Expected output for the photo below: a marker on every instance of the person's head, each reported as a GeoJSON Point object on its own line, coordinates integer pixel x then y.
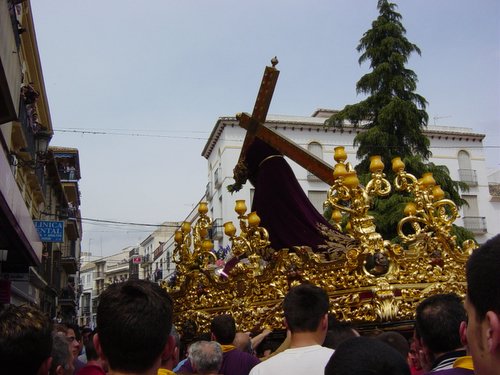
{"type": "Point", "coordinates": [25, 340]}
{"type": "Point", "coordinates": [86, 335]}
{"type": "Point", "coordinates": [92, 355]}
{"type": "Point", "coordinates": [62, 359]}
{"type": "Point", "coordinates": [396, 340]}
{"type": "Point", "coordinates": [483, 307]}
{"type": "Point", "coordinates": [170, 361]}
{"type": "Point", "coordinates": [223, 328]}
{"type": "Point", "coordinates": [90, 350]}
{"type": "Point", "coordinates": [306, 307]}
{"type": "Point", "coordinates": [437, 326]}
{"type": "Point", "coordinates": [205, 357]}
{"type": "Point", "coordinates": [243, 342]}
{"type": "Point", "coordinates": [413, 359]}
{"type": "Point", "coordinates": [74, 337]}
{"type": "Point", "coordinates": [267, 347]}
{"type": "Point", "coordinates": [366, 356]}
{"type": "Point", "coordinates": [338, 332]}
{"type": "Point", "coordinates": [134, 319]}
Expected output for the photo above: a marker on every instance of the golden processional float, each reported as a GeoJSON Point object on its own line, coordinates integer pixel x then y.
{"type": "Point", "coordinates": [371, 282]}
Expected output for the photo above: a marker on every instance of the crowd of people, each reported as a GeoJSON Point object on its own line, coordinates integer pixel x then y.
{"type": "Point", "coordinates": [135, 335]}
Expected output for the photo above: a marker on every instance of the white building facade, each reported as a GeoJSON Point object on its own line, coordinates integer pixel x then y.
{"type": "Point", "coordinates": [86, 316]}
{"type": "Point", "coordinates": [95, 276]}
{"type": "Point", "coordinates": [459, 149]}
{"type": "Point", "coordinates": [156, 252]}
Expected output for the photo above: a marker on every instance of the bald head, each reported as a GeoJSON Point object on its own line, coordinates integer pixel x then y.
{"type": "Point", "coordinates": [243, 342]}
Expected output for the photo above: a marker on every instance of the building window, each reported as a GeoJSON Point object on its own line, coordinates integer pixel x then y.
{"type": "Point", "coordinates": [472, 220]}
{"type": "Point", "coordinates": [317, 198]}
{"type": "Point", "coordinates": [316, 149]}
{"type": "Point", "coordinates": [465, 171]}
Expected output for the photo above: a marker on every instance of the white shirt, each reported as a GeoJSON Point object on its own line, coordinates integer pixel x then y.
{"type": "Point", "coordinates": [306, 360]}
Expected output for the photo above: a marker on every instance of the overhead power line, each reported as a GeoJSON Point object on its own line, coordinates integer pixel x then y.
{"type": "Point", "coordinates": [114, 221]}
{"type": "Point", "coordinates": [117, 222]}
{"type": "Point", "coordinates": [146, 135]}
{"type": "Point", "coordinates": [99, 132]}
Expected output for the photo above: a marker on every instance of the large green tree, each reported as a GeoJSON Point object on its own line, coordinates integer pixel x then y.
{"type": "Point", "coordinates": [393, 115]}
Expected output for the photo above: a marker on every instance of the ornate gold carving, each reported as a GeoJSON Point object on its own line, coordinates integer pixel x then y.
{"type": "Point", "coordinates": [368, 279]}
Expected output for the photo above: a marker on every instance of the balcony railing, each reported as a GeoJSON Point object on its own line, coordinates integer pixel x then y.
{"type": "Point", "coordinates": [494, 190]}
{"type": "Point", "coordinates": [68, 251]}
{"type": "Point", "coordinates": [146, 260]}
{"type": "Point", "coordinates": [475, 224]}
{"type": "Point", "coordinates": [216, 232]}
{"type": "Point", "coordinates": [68, 175]}
{"type": "Point", "coordinates": [468, 176]}
{"type": "Point", "coordinates": [121, 266]}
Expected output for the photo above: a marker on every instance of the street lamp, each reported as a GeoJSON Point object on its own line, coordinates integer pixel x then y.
{"type": "Point", "coordinates": [42, 139]}
{"type": "Point", "coordinates": [41, 146]}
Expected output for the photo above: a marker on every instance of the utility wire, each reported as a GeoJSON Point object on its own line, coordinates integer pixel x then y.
{"type": "Point", "coordinates": [95, 132]}
{"type": "Point", "coordinates": [136, 130]}
{"type": "Point", "coordinates": [113, 221]}
{"type": "Point", "coordinates": [104, 221]}
{"type": "Point", "coordinates": [100, 132]}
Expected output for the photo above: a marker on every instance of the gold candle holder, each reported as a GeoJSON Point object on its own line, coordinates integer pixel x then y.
{"type": "Point", "coordinates": [437, 193]}
{"type": "Point", "coordinates": [253, 219]}
{"type": "Point", "coordinates": [397, 164]}
{"type": "Point", "coordinates": [339, 154]}
{"type": "Point", "coordinates": [410, 209]}
{"type": "Point", "coordinates": [203, 208]}
{"type": "Point", "coordinates": [229, 229]}
{"type": "Point", "coordinates": [351, 180]}
{"type": "Point", "coordinates": [428, 180]}
{"type": "Point", "coordinates": [178, 236]}
{"type": "Point", "coordinates": [376, 164]}
{"type": "Point", "coordinates": [186, 227]}
{"type": "Point", "coordinates": [339, 170]}
{"type": "Point", "coordinates": [240, 207]}
{"type": "Point", "coordinates": [207, 245]}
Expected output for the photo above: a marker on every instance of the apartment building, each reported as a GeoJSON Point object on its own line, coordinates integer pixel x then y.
{"type": "Point", "coordinates": [40, 226]}
{"type": "Point", "coordinates": [155, 252]}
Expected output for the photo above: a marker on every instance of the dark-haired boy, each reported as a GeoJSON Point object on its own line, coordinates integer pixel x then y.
{"type": "Point", "coordinates": [437, 331]}
{"type": "Point", "coordinates": [134, 319]}
{"type": "Point", "coordinates": [306, 317]}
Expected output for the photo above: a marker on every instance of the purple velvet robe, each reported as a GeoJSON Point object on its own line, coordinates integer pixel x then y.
{"type": "Point", "coordinates": [279, 200]}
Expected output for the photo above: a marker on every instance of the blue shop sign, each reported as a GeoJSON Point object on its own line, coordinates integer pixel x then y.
{"type": "Point", "coordinates": [50, 231]}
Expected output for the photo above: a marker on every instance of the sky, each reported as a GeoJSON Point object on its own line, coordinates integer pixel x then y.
{"type": "Point", "coordinates": [138, 86]}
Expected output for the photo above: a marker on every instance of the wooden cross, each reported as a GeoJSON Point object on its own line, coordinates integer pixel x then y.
{"type": "Point", "coordinates": [255, 127]}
